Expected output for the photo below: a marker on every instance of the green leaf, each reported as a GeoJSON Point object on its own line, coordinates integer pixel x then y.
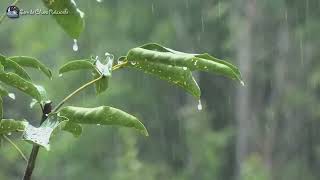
{"type": "Point", "coordinates": [10, 125]}
{"type": "Point", "coordinates": [73, 128]}
{"type": "Point", "coordinates": [43, 94]}
{"type": "Point", "coordinates": [73, 22]}
{"type": "Point", "coordinates": [158, 54]}
{"type": "Point", "coordinates": [16, 81]}
{"type": "Point", "coordinates": [101, 85]}
{"type": "Point", "coordinates": [174, 74]}
{"type": "Point", "coordinates": [10, 65]}
{"type": "Point", "coordinates": [102, 115]}
{"type": "Point", "coordinates": [26, 61]}
{"type": "Point", "coordinates": [74, 65]}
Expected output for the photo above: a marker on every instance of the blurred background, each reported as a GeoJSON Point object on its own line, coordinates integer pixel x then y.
{"type": "Point", "coordinates": [267, 130]}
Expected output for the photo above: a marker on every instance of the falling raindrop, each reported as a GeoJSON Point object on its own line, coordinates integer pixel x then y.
{"type": "Point", "coordinates": [242, 83]}
{"type": "Point", "coordinates": [12, 96]}
{"type": "Point", "coordinates": [75, 45]}
{"type": "Point", "coordinates": [152, 8]}
{"type": "Point", "coordinates": [199, 105]}
{"type": "Point", "coordinates": [202, 24]}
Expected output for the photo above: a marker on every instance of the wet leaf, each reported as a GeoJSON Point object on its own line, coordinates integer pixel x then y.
{"type": "Point", "coordinates": [10, 125]}
{"type": "Point", "coordinates": [102, 115]}
{"type": "Point", "coordinates": [73, 22]}
{"type": "Point", "coordinates": [74, 65]}
{"type": "Point", "coordinates": [177, 75]}
{"type": "Point", "coordinates": [101, 85]}
{"type": "Point", "coordinates": [73, 128]}
{"type": "Point", "coordinates": [16, 81]}
{"type": "Point", "coordinates": [31, 62]}
{"type": "Point", "coordinates": [12, 66]}
{"type": "Point", "coordinates": [41, 135]}
{"type": "Point", "coordinates": [158, 54]}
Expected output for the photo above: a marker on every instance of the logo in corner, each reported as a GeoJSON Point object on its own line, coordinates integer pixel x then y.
{"type": "Point", "coordinates": [13, 12]}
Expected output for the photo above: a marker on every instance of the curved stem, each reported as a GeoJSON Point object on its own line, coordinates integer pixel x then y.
{"type": "Point", "coordinates": [16, 147]}
{"type": "Point", "coordinates": [35, 149]}
{"type": "Point", "coordinates": [75, 92]}
{"type": "Point", "coordinates": [4, 14]}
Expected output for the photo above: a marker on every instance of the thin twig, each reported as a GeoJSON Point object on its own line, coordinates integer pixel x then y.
{"type": "Point", "coordinates": [16, 147]}
{"type": "Point", "coordinates": [75, 92]}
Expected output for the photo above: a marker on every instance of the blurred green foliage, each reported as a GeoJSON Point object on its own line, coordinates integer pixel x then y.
{"type": "Point", "coordinates": [184, 143]}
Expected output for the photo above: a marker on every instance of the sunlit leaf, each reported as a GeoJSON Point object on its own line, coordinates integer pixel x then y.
{"type": "Point", "coordinates": [10, 125]}
{"type": "Point", "coordinates": [72, 22]}
{"type": "Point", "coordinates": [174, 74]}
{"type": "Point", "coordinates": [31, 62]}
{"type": "Point", "coordinates": [16, 81]}
{"type": "Point", "coordinates": [102, 115]}
{"type": "Point", "coordinates": [157, 54]}
{"type": "Point", "coordinates": [74, 65]}
{"type": "Point", "coordinates": [11, 66]}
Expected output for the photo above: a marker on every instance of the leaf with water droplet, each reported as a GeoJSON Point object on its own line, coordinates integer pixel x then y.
{"type": "Point", "coordinates": [176, 75]}
{"type": "Point", "coordinates": [158, 54]}
{"type": "Point", "coordinates": [31, 62]}
{"type": "Point", "coordinates": [41, 135]}
{"type": "Point", "coordinates": [103, 115]}
{"type": "Point", "coordinates": [23, 85]}
{"type": "Point", "coordinates": [11, 125]}
{"type": "Point", "coordinates": [104, 66]}
{"type": "Point", "coordinates": [73, 22]}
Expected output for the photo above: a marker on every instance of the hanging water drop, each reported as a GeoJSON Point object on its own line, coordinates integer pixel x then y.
{"type": "Point", "coordinates": [12, 96]}
{"type": "Point", "coordinates": [199, 105]}
{"type": "Point", "coordinates": [152, 8]}
{"type": "Point", "coordinates": [75, 45]}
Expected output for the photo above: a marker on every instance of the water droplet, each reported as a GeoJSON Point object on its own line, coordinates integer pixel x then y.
{"type": "Point", "coordinates": [133, 63]}
{"type": "Point", "coordinates": [9, 134]}
{"type": "Point", "coordinates": [195, 63]}
{"type": "Point", "coordinates": [242, 83]}
{"type": "Point", "coordinates": [75, 45]}
{"type": "Point", "coordinates": [98, 124]}
{"type": "Point", "coordinates": [185, 68]}
{"type": "Point", "coordinates": [152, 8]}
{"type": "Point", "coordinates": [99, 1]}
{"type": "Point", "coordinates": [12, 96]}
{"type": "Point", "coordinates": [60, 75]}
{"type": "Point", "coordinates": [105, 65]}
{"type": "Point", "coordinates": [199, 105]}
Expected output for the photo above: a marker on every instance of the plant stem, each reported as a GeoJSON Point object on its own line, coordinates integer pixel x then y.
{"type": "Point", "coordinates": [16, 147]}
{"type": "Point", "coordinates": [45, 111]}
{"type": "Point", "coordinates": [4, 14]}
{"type": "Point", "coordinates": [35, 149]}
{"type": "Point", "coordinates": [75, 92]}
